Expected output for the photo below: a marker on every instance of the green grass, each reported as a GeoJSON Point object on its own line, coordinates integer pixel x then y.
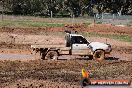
{"type": "Point", "coordinates": [9, 23]}
{"type": "Point", "coordinates": [126, 38]}
{"type": "Point", "coordinates": [31, 21]}
{"type": "Point", "coordinates": [23, 22]}
{"type": "Point", "coordinates": [99, 22]}
{"type": "Point", "coordinates": [129, 24]}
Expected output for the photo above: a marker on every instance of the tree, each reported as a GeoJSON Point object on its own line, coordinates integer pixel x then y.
{"type": "Point", "coordinates": [73, 7]}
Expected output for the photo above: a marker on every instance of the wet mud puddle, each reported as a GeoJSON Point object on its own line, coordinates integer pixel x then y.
{"type": "Point", "coordinates": [16, 56]}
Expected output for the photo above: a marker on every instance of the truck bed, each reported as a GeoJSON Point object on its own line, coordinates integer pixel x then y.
{"type": "Point", "coordinates": [47, 46]}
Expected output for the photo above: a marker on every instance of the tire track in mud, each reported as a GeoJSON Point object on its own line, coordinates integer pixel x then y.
{"type": "Point", "coordinates": [122, 52]}
{"type": "Point", "coordinates": [67, 71]}
{"type": "Point", "coordinates": [117, 62]}
{"type": "Point", "coordinates": [125, 49]}
{"type": "Point", "coordinates": [61, 71]}
{"type": "Point", "coordinates": [117, 53]}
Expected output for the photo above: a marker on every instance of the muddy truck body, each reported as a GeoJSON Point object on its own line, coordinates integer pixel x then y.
{"type": "Point", "coordinates": [75, 45]}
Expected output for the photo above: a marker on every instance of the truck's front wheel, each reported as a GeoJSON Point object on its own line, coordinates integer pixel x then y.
{"type": "Point", "coordinates": [51, 55]}
{"type": "Point", "coordinates": [99, 55]}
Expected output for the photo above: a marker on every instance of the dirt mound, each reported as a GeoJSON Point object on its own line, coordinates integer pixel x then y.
{"type": "Point", "coordinates": [109, 29]}
{"type": "Point", "coordinates": [76, 26]}
{"type": "Point", "coordinates": [99, 28]}
{"type": "Point", "coordinates": [30, 30]}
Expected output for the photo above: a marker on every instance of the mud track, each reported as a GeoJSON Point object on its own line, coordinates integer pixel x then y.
{"type": "Point", "coordinates": [59, 73]}
{"type": "Point", "coordinates": [33, 72]}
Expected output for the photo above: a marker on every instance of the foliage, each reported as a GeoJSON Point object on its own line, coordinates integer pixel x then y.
{"type": "Point", "coordinates": [70, 7]}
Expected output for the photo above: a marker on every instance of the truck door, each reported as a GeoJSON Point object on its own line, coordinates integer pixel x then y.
{"type": "Point", "coordinates": [79, 46]}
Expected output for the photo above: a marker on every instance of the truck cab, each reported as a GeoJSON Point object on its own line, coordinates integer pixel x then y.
{"type": "Point", "coordinates": [80, 46]}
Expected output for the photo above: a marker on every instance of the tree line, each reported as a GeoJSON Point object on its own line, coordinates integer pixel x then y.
{"type": "Point", "coordinates": [66, 7]}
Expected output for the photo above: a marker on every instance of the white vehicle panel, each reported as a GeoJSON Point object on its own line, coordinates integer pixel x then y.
{"type": "Point", "coordinates": [98, 45]}
{"type": "Point", "coordinates": [80, 49]}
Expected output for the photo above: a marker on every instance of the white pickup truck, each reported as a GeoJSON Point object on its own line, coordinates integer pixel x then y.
{"type": "Point", "coordinates": [76, 45]}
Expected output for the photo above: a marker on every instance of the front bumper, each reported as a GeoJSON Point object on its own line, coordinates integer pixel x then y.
{"type": "Point", "coordinates": [108, 51]}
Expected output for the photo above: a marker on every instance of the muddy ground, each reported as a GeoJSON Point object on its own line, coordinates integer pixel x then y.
{"type": "Point", "coordinates": [20, 68]}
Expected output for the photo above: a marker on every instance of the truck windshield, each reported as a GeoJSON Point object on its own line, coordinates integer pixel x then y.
{"type": "Point", "coordinates": [78, 40]}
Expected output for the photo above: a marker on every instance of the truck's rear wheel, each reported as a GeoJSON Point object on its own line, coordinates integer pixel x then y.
{"type": "Point", "coordinates": [51, 55]}
{"type": "Point", "coordinates": [99, 55]}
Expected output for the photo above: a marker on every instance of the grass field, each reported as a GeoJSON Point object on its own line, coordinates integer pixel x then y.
{"type": "Point", "coordinates": [24, 24]}
{"type": "Point", "coordinates": [126, 38]}
{"type": "Point", "coordinates": [130, 23]}
{"type": "Point", "coordinates": [30, 21]}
